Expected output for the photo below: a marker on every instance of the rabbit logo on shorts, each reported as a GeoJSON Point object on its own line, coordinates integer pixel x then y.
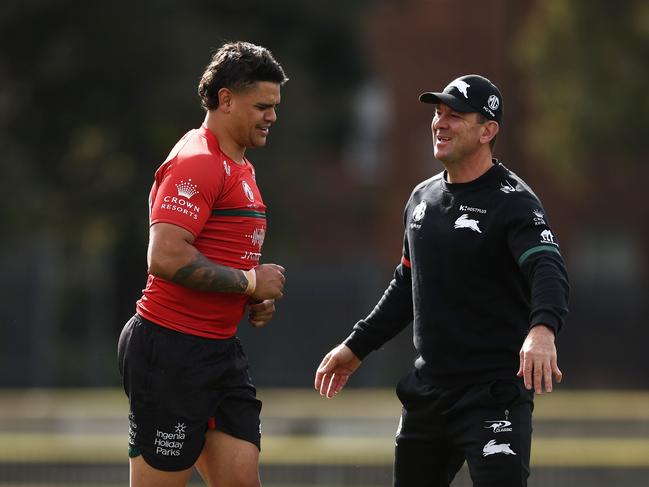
{"type": "Point", "coordinates": [491, 448]}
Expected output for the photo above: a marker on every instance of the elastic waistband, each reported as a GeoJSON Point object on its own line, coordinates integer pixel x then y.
{"type": "Point", "coordinates": [168, 331]}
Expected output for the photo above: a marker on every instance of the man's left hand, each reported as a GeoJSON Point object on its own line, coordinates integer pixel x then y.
{"type": "Point", "coordinates": [539, 360]}
{"type": "Point", "coordinates": [260, 313]}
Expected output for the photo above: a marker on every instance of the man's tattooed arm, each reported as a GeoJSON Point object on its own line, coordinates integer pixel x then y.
{"type": "Point", "coordinates": [205, 275]}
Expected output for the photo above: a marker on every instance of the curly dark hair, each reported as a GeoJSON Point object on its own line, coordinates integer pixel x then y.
{"type": "Point", "coordinates": [237, 65]}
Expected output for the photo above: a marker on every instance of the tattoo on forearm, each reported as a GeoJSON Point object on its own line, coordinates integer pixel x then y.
{"type": "Point", "coordinates": [205, 275]}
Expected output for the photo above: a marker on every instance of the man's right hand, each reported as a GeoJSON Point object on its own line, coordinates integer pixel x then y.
{"type": "Point", "coordinates": [270, 282]}
{"type": "Point", "coordinates": [335, 369]}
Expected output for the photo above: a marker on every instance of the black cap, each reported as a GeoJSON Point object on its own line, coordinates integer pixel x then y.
{"type": "Point", "coordinates": [470, 93]}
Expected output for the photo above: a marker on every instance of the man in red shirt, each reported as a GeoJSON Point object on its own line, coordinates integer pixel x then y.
{"type": "Point", "coordinates": [191, 399]}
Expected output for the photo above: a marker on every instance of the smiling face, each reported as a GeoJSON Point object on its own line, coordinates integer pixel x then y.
{"type": "Point", "coordinates": [252, 112]}
{"type": "Point", "coordinates": [456, 135]}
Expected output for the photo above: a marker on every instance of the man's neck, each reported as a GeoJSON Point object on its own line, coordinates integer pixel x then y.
{"type": "Point", "coordinates": [228, 146]}
{"type": "Point", "coordinates": [468, 169]}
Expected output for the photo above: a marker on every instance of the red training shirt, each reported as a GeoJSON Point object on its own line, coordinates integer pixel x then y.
{"type": "Point", "coordinates": [202, 190]}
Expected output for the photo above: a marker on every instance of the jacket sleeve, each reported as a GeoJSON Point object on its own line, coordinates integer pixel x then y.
{"type": "Point", "coordinates": [393, 312]}
{"type": "Point", "coordinates": [549, 290]}
{"type": "Point", "coordinates": [536, 250]}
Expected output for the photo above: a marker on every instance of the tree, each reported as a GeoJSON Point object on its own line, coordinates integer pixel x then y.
{"type": "Point", "coordinates": [588, 71]}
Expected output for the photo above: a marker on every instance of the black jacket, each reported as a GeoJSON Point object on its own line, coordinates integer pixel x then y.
{"type": "Point", "coordinates": [480, 266]}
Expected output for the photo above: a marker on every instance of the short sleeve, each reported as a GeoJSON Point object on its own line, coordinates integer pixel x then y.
{"type": "Point", "coordinates": [185, 190]}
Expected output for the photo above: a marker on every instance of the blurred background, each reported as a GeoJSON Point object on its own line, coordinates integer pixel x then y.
{"type": "Point", "coordinates": [93, 95]}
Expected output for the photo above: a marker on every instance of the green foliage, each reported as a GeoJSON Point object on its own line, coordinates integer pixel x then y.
{"type": "Point", "coordinates": [587, 65]}
{"type": "Point", "coordinates": [94, 94]}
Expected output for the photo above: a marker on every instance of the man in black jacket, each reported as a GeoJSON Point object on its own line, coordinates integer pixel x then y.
{"type": "Point", "coordinates": [483, 281]}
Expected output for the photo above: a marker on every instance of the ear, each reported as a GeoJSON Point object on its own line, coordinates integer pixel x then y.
{"type": "Point", "coordinates": [489, 130]}
{"type": "Point", "coordinates": [225, 99]}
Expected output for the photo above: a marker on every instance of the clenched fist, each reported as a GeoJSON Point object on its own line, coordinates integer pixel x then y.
{"type": "Point", "coordinates": [270, 282]}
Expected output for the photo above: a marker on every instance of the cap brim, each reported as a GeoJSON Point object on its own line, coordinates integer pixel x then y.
{"type": "Point", "coordinates": [455, 103]}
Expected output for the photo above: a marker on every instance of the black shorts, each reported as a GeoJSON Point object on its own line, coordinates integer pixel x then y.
{"type": "Point", "coordinates": [180, 385]}
{"type": "Point", "coordinates": [488, 425]}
